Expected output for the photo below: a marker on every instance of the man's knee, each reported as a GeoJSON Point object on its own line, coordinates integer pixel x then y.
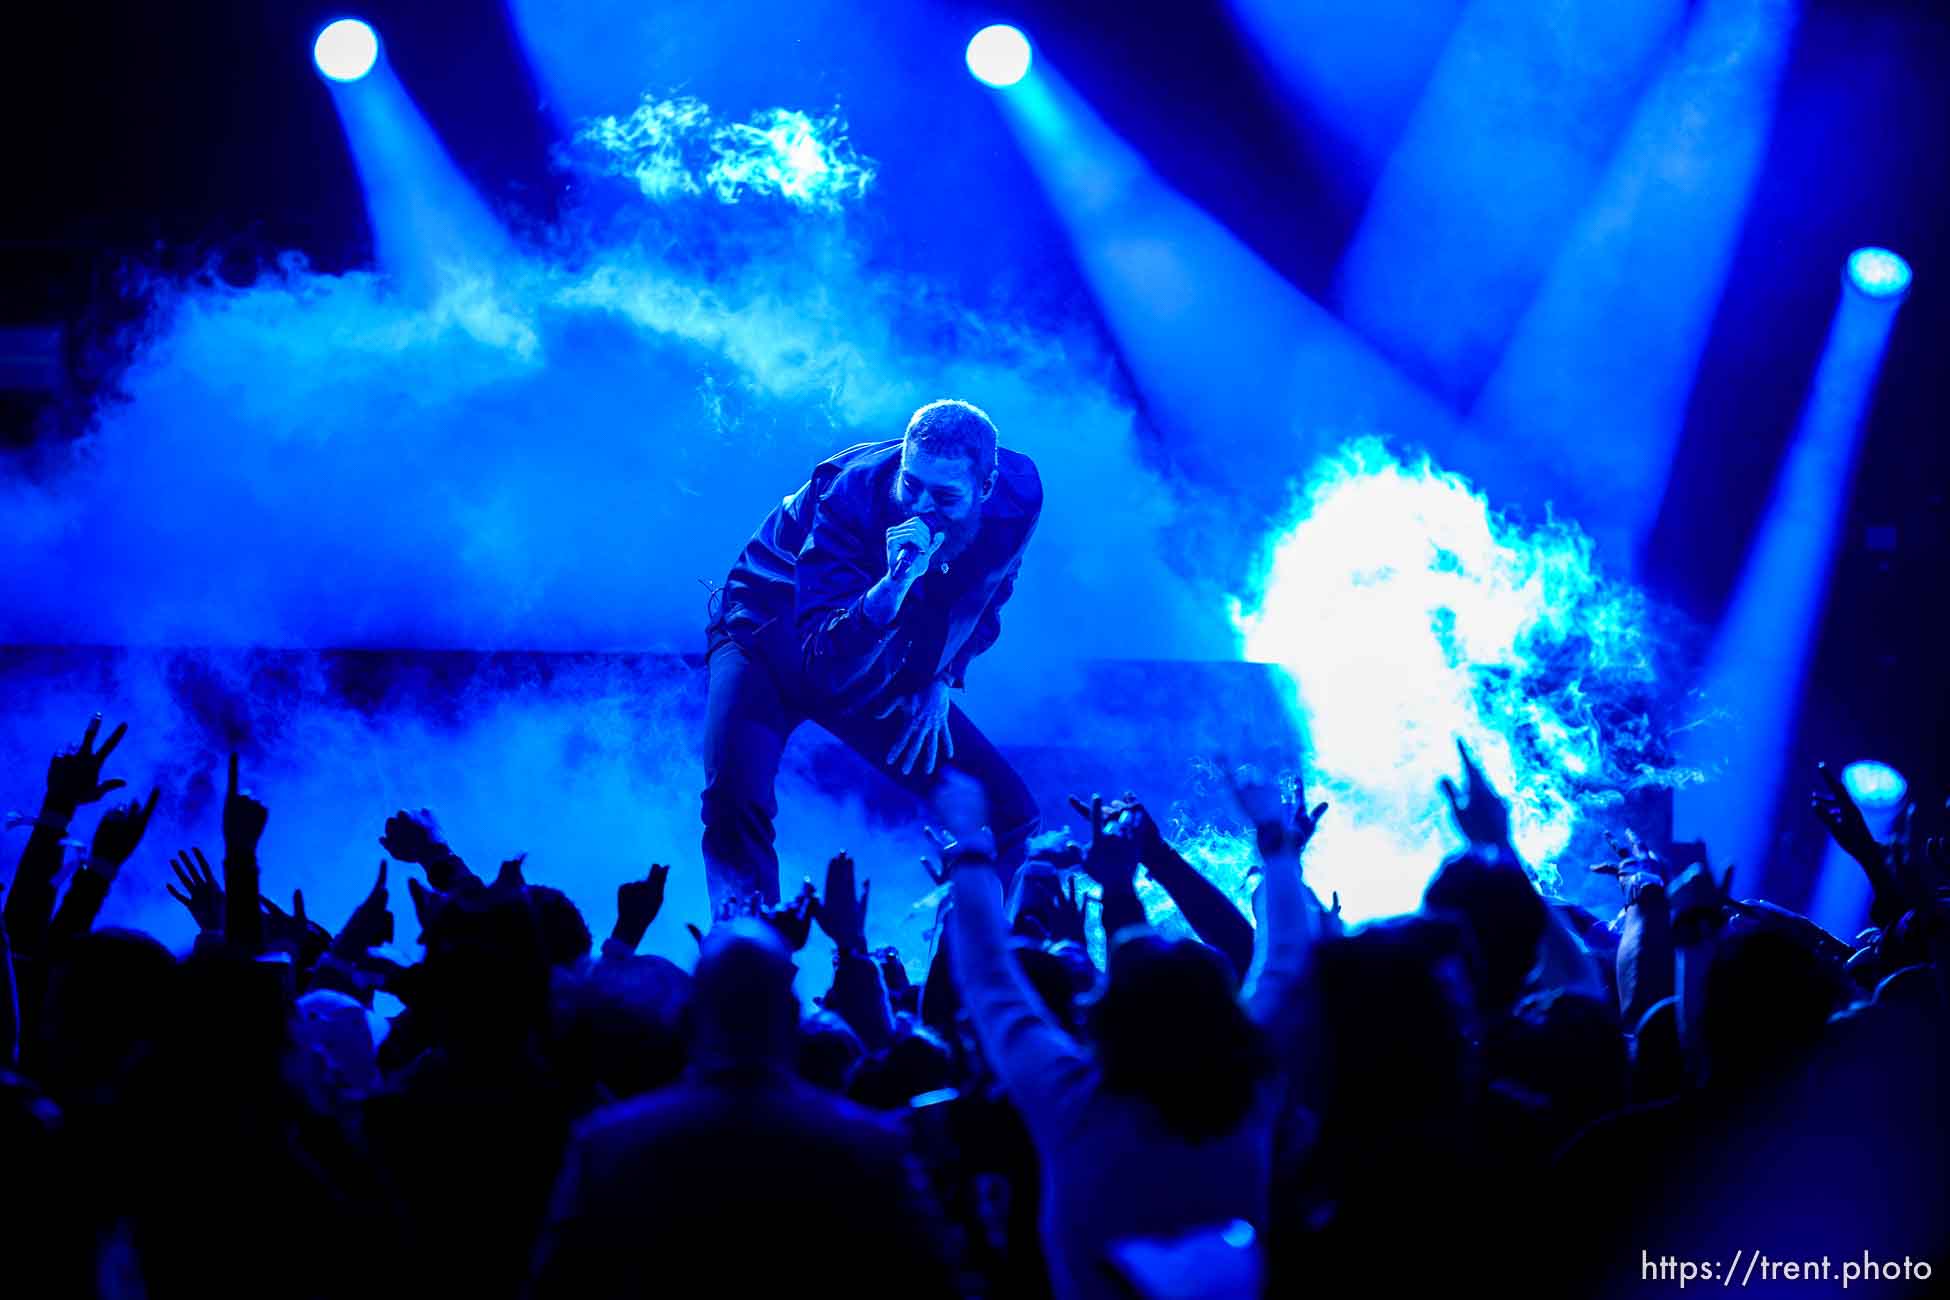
{"type": "Point", "coordinates": [731, 800]}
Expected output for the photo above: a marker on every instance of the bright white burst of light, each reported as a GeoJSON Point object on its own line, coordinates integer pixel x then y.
{"type": "Point", "coordinates": [1875, 787]}
{"type": "Point", "coordinates": [1408, 614]}
{"type": "Point", "coordinates": [999, 55]}
{"type": "Point", "coordinates": [1878, 272]}
{"type": "Point", "coordinates": [346, 50]}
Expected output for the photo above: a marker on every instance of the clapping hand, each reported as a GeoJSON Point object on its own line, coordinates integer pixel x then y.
{"type": "Point", "coordinates": [1127, 812]}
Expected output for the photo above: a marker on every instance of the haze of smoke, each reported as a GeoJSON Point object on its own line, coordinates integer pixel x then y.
{"type": "Point", "coordinates": [1409, 614]}
{"type": "Point", "coordinates": [548, 456]}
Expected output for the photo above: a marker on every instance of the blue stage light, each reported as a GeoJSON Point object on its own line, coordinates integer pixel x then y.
{"type": "Point", "coordinates": [346, 50]}
{"type": "Point", "coordinates": [999, 55]}
{"type": "Point", "coordinates": [1875, 787]}
{"type": "Point", "coordinates": [1878, 272]}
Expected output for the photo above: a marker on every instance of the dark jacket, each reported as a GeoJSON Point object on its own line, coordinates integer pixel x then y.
{"type": "Point", "coordinates": [794, 594]}
{"type": "Point", "coordinates": [741, 1186]}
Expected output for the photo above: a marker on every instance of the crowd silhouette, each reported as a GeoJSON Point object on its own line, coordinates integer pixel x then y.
{"type": "Point", "coordinates": [1500, 1091]}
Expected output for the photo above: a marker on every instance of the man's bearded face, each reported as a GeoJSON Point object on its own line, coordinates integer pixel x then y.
{"type": "Point", "coordinates": [942, 492]}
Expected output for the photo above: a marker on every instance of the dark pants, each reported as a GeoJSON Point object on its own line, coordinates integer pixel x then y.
{"type": "Point", "coordinates": [752, 710]}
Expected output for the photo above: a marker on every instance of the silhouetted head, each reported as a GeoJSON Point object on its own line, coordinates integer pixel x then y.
{"type": "Point", "coordinates": [564, 934]}
{"type": "Point", "coordinates": [948, 471]}
{"type": "Point", "coordinates": [1768, 999]}
{"type": "Point", "coordinates": [917, 1061]}
{"type": "Point", "coordinates": [485, 979]}
{"type": "Point", "coordinates": [1033, 897]}
{"type": "Point", "coordinates": [1168, 1028]}
{"type": "Point", "coordinates": [828, 1050]}
{"type": "Point", "coordinates": [1566, 1048]}
{"type": "Point", "coordinates": [620, 1024]}
{"type": "Point", "coordinates": [1053, 978]}
{"type": "Point", "coordinates": [1398, 1030]}
{"type": "Point", "coordinates": [107, 1002]}
{"type": "Point", "coordinates": [742, 1011]}
{"type": "Point", "coordinates": [1505, 917]}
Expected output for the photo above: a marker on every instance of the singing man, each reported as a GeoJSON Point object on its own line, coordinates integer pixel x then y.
{"type": "Point", "coordinates": [858, 605]}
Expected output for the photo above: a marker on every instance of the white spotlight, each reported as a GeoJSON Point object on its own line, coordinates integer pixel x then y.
{"type": "Point", "coordinates": [346, 50]}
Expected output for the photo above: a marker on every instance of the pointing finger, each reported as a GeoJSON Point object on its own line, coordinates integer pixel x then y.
{"type": "Point", "coordinates": [114, 739]}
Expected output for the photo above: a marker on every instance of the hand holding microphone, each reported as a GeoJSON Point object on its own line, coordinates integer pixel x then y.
{"type": "Point", "coordinates": [911, 545]}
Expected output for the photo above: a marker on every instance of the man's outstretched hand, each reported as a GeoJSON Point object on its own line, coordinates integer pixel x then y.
{"type": "Point", "coordinates": [74, 776]}
{"type": "Point", "coordinates": [926, 741]}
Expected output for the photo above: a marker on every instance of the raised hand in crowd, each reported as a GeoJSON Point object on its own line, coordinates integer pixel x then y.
{"type": "Point", "coordinates": [116, 837]}
{"type": "Point", "coordinates": [74, 778]}
{"type": "Point", "coordinates": [74, 775]}
{"type": "Point", "coordinates": [1066, 914]}
{"type": "Point", "coordinates": [118, 833]}
{"type": "Point", "coordinates": [1479, 811]}
{"type": "Point", "coordinates": [1055, 848]}
{"type": "Point", "coordinates": [416, 837]}
{"type": "Point", "coordinates": [1883, 864]}
{"type": "Point", "coordinates": [371, 922]}
{"type": "Point", "coordinates": [1635, 866]}
{"type": "Point", "coordinates": [293, 932]}
{"type": "Point", "coordinates": [792, 918]}
{"type": "Point", "coordinates": [244, 819]}
{"type": "Point", "coordinates": [200, 895]}
{"type": "Point", "coordinates": [1284, 826]}
{"type": "Point", "coordinates": [1644, 961]}
{"type": "Point", "coordinates": [1111, 859]}
{"type": "Point", "coordinates": [510, 875]}
{"type": "Point", "coordinates": [841, 912]}
{"type": "Point", "coordinates": [637, 904]}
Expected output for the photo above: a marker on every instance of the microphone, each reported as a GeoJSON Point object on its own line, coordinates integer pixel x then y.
{"type": "Point", "coordinates": [904, 559]}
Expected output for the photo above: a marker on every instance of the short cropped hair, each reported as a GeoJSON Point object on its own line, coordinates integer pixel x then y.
{"type": "Point", "coordinates": [952, 427]}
